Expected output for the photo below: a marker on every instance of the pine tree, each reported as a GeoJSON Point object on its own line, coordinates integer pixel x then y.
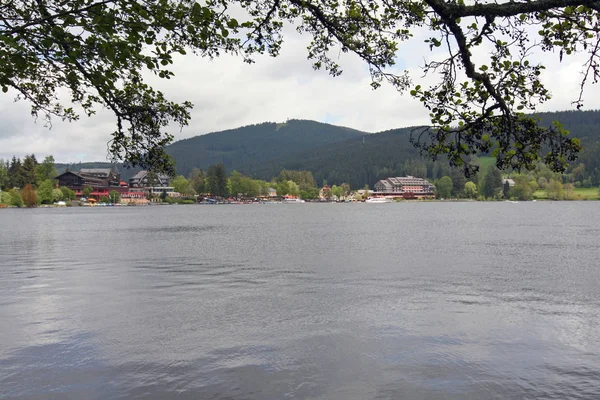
{"type": "Point", "coordinates": [216, 181]}
{"type": "Point", "coordinates": [15, 173]}
{"type": "Point", "coordinates": [29, 166]}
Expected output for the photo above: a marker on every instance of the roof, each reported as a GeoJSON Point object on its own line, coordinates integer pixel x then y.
{"type": "Point", "coordinates": [95, 171]}
{"type": "Point", "coordinates": [88, 178]}
{"type": "Point", "coordinates": [139, 175]}
{"type": "Point", "coordinates": [142, 174]}
{"type": "Point", "coordinates": [69, 172]}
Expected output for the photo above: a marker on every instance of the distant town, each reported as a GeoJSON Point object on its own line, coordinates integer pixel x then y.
{"type": "Point", "coordinates": [32, 184]}
{"type": "Point", "coordinates": [98, 185]}
{"type": "Point", "coordinates": [29, 183]}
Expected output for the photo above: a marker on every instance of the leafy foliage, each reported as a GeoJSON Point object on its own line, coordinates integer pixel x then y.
{"type": "Point", "coordinates": [44, 192]}
{"type": "Point", "coordinates": [491, 184]}
{"type": "Point", "coordinates": [99, 50]}
{"type": "Point", "coordinates": [181, 185]}
{"type": "Point", "coordinates": [68, 194]}
{"type": "Point", "coordinates": [114, 196]}
{"type": "Point", "coordinates": [45, 170]}
{"type": "Point", "coordinates": [196, 180]}
{"type": "Point", "coordinates": [444, 187]}
{"type": "Point", "coordinates": [17, 200]}
{"type": "Point", "coordinates": [470, 190]}
{"type": "Point", "coordinates": [57, 195]}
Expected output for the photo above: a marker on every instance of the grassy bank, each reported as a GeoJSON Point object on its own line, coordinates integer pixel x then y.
{"type": "Point", "coordinates": [581, 193]}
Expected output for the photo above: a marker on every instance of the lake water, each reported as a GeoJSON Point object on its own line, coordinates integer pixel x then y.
{"type": "Point", "coordinates": [306, 301]}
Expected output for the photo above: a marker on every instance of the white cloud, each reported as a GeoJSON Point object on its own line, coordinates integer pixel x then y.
{"type": "Point", "coordinates": [229, 93]}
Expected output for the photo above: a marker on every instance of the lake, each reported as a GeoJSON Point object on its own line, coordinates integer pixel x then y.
{"type": "Point", "coordinates": [301, 301]}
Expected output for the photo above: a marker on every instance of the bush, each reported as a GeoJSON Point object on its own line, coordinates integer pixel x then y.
{"type": "Point", "coordinates": [16, 199]}
{"type": "Point", "coordinates": [29, 196]}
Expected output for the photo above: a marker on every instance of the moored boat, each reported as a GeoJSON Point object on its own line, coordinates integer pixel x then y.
{"type": "Point", "coordinates": [378, 200]}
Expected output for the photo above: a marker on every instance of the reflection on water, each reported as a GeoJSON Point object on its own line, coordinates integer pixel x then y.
{"type": "Point", "coordinates": [353, 301]}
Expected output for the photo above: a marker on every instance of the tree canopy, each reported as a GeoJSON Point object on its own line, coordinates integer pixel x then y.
{"type": "Point", "coordinates": [487, 72]}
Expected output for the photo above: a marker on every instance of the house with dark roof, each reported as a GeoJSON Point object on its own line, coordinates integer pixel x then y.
{"type": "Point", "coordinates": [101, 180]}
{"type": "Point", "coordinates": [144, 179]}
{"type": "Point", "coordinates": [90, 177]}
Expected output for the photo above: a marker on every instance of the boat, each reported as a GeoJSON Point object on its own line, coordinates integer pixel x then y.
{"type": "Point", "coordinates": [292, 200]}
{"type": "Point", "coordinates": [378, 200]}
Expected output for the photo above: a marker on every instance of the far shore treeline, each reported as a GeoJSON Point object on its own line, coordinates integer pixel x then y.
{"type": "Point", "coordinates": [301, 157]}
{"type": "Point", "coordinates": [29, 183]}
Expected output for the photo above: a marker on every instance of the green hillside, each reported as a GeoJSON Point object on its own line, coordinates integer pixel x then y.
{"type": "Point", "coordinates": [356, 161]}
{"type": "Point", "coordinates": [390, 153]}
{"type": "Point", "coordinates": [241, 147]}
{"type": "Point", "coordinates": [337, 154]}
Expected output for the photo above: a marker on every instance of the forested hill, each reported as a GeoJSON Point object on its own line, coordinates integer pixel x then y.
{"type": "Point", "coordinates": [357, 161]}
{"type": "Point", "coordinates": [241, 147]}
{"type": "Point", "coordinates": [582, 124]}
{"type": "Point", "coordinates": [334, 153]}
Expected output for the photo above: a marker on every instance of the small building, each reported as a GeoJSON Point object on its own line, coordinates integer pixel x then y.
{"type": "Point", "coordinates": [325, 193]}
{"type": "Point", "coordinates": [144, 179]}
{"type": "Point", "coordinates": [510, 182]}
{"type": "Point", "coordinates": [407, 187]}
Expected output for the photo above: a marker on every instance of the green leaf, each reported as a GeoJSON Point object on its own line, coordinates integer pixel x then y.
{"type": "Point", "coordinates": [232, 23]}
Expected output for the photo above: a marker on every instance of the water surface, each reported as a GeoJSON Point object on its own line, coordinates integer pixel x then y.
{"type": "Point", "coordinates": [306, 301]}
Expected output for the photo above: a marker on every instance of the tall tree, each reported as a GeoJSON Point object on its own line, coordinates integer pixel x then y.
{"type": "Point", "coordinates": [15, 174]}
{"type": "Point", "coordinates": [196, 180]}
{"type": "Point", "coordinates": [458, 182]}
{"type": "Point", "coordinates": [522, 189]}
{"type": "Point", "coordinates": [492, 182]}
{"type": "Point", "coordinates": [3, 174]}
{"type": "Point", "coordinates": [444, 187]}
{"type": "Point", "coordinates": [46, 170]}
{"type": "Point", "coordinates": [29, 166]}
{"type": "Point", "coordinates": [44, 192]}
{"type": "Point", "coordinates": [181, 185]}
{"type": "Point", "coordinates": [283, 188]}
{"type": "Point", "coordinates": [216, 181]}
{"type": "Point", "coordinates": [294, 188]}
{"type": "Point", "coordinates": [483, 55]}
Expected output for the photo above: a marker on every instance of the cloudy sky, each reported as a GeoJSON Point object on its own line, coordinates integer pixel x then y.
{"type": "Point", "coordinates": [228, 93]}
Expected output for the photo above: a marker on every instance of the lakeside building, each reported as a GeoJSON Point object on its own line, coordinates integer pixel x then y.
{"type": "Point", "coordinates": [92, 177]}
{"type": "Point", "coordinates": [144, 179]}
{"type": "Point", "coordinates": [407, 187]}
{"type": "Point", "coordinates": [101, 180]}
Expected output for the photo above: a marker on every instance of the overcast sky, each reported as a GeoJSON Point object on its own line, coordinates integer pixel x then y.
{"type": "Point", "coordinates": [228, 93]}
